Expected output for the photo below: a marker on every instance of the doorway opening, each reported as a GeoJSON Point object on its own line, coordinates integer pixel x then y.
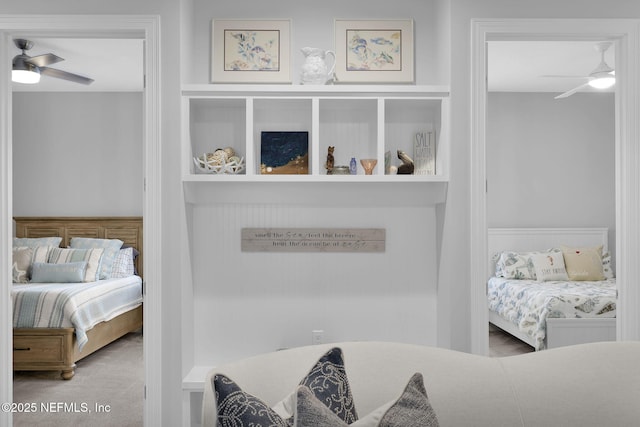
{"type": "Point", "coordinates": [550, 162]}
{"type": "Point", "coordinates": [78, 26]}
{"type": "Point", "coordinates": [624, 36]}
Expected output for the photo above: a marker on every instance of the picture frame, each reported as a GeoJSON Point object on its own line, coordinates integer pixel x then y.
{"type": "Point", "coordinates": [284, 153]}
{"type": "Point", "coordinates": [378, 51]}
{"type": "Point", "coordinates": [251, 51]}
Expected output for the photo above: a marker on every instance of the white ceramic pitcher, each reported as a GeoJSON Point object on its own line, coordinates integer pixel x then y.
{"type": "Point", "coordinates": [315, 70]}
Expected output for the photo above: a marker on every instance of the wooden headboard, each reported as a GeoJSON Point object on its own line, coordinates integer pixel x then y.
{"type": "Point", "coordinates": [127, 229]}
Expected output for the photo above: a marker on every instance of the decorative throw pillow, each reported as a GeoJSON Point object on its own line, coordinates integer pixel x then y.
{"type": "Point", "coordinates": [32, 242]}
{"type": "Point", "coordinates": [412, 408]}
{"type": "Point", "coordinates": [92, 256]}
{"type": "Point", "coordinates": [549, 266]}
{"type": "Point", "coordinates": [123, 264]}
{"type": "Point", "coordinates": [514, 265]}
{"type": "Point", "coordinates": [240, 409]}
{"type": "Point", "coordinates": [518, 265]}
{"type": "Point", "coordinates": [38, 254]}
{"type": "Point", "coordinates": [110, 246]}
{"type": "Point", "coordinates": [21, 263]}
{"type": "Point", "coordinates": [135, 253]}
{"type": "Point", "coordinates": [71, 272]}
{"type": "Point", "coordinates": [327, 381]}
{"type": "Point", "coordinates": [607, 268]}
{"type": "Point", "coordinates": [584, 263]}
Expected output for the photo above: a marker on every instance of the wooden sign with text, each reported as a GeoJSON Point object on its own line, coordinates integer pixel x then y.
{"type": "Point", "coordinates": [313, 240]}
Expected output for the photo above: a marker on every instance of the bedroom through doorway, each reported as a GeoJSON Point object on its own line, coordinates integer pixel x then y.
{"type": "Point", "coordinates": [625, 36]}
{"type": "Point", "coordinates": [78, 151]}
{"type": "Point", "coordinates": [146, 28]}
{"type": "Point", "coordinates": [550, 152]}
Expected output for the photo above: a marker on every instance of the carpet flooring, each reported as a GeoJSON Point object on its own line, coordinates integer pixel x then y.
{"type": "Point", "coordinates": [107, 390]}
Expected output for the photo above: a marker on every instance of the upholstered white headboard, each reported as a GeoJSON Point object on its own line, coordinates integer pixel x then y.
{"type": "Point", "coordinates": [533, 239]}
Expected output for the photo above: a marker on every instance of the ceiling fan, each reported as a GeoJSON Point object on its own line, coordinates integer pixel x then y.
{"type": "Point", "coordinates": [27, 69]}
{"type": "Point", "coordinates": [602, 77]}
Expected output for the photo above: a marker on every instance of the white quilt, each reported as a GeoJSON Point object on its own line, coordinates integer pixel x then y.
{"type": "Point", "coordinates": [77, 305]}
{"type": "Point", "coordinates": [527, 303]}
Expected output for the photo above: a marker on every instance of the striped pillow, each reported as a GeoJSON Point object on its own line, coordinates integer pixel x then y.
{"type": "Point", "coordinates": [110, 246]}
{"type": "Point", "coordinates": [92, 256]}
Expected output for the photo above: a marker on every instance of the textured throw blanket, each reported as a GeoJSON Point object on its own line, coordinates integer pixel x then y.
{"type": "Point", "coordinates": [78, 305]}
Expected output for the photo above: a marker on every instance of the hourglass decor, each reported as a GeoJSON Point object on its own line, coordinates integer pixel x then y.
{"type": "Point", "coordinates": [368, 165]}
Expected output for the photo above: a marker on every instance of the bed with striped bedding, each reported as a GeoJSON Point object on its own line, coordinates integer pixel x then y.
{"type": "Point", "coordinates": [77, 305]}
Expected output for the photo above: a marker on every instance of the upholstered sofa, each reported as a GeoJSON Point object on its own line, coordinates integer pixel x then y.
{"type": "Point", "coordinates": [595, 384]}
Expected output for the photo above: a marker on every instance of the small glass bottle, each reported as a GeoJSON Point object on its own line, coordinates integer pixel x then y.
{"type": "Point", "coordinates": [353, 166]}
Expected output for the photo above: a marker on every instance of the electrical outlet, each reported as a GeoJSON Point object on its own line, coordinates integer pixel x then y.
{"type": "Point", "coordinates": [317, 336]}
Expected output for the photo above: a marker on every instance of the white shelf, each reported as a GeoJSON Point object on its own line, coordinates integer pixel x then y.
{"type": "Point", "coordinates": [361, 121]}
{"type": "Point", "coordinates": [194, 380]}
{"type": "Point", "coordinates": [244, 90]}
{"type": "Point", "coordinates": [219, 178]}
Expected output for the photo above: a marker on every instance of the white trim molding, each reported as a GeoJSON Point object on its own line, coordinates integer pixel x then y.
{"type": "Point", "coordinates": [6, 234]}
{"type": "Point", "coordinates": [145, 27]}
{"type": "Point", "coordinates": [625, 33]}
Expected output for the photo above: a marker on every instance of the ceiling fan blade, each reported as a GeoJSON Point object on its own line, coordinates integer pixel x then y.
{"type": "Point", "coordinates": [59, 74]}
{"type": "Point", "coordinates": [571, 92]}
{"type": "Point", "coordinates": [44, 60]}
{"type": "Point", "coordinates": [554, 76]}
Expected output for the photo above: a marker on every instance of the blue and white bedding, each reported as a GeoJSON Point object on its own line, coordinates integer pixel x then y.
{"type": "Point", "coordinates": [77, 305]}
{"type": "Point", "coordinates": [528, 303]}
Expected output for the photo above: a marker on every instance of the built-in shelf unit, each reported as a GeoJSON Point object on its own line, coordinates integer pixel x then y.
{"type": "Point", "coordinates": [360, 121]}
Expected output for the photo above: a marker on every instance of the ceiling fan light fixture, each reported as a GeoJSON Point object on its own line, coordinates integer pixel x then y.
{"type": "Point", "coordinates": [25, 76]}
{"type": "Point", "coordinates": [604, 82]}
{"type": "Point", "coordinates": [23, 72]}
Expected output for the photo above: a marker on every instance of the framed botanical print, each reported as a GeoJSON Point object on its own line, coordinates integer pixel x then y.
{"type": "Point", "coordinates": [253, 51]}
{"type": "Point", "coordinates": [379, 51]}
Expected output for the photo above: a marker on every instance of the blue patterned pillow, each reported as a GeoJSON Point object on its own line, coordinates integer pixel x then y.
{"type": "Point", "coordinates": [237, 408]}
{"type": "Point", "coordinates": [327, 381]}
{"type": "Point", "coordinates": [111, 248]}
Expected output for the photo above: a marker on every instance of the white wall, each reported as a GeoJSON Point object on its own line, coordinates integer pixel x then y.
{"type": "Point", "coordinates": [246, 304]}
{"type": "Point", "coordinates": [312, 25]}
{"type": "Point", "coordinates": [454, 277]}
{"type": "Point", "coordinates": [551, 163]}
{"type": "Point", "coordinates": [77, 154]}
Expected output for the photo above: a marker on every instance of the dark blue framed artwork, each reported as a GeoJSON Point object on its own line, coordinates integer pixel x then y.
{"type": "Point", "coordinates": [284, 152]}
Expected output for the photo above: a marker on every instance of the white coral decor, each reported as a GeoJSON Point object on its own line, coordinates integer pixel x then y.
{"type": "Point", "coordinates": [220, 161]}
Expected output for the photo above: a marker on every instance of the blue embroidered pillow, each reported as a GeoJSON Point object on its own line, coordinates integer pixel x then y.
{"type": "Point", "coordinates": [327, 381]}
{"type": "Point", "coordinates": [237, 408]}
